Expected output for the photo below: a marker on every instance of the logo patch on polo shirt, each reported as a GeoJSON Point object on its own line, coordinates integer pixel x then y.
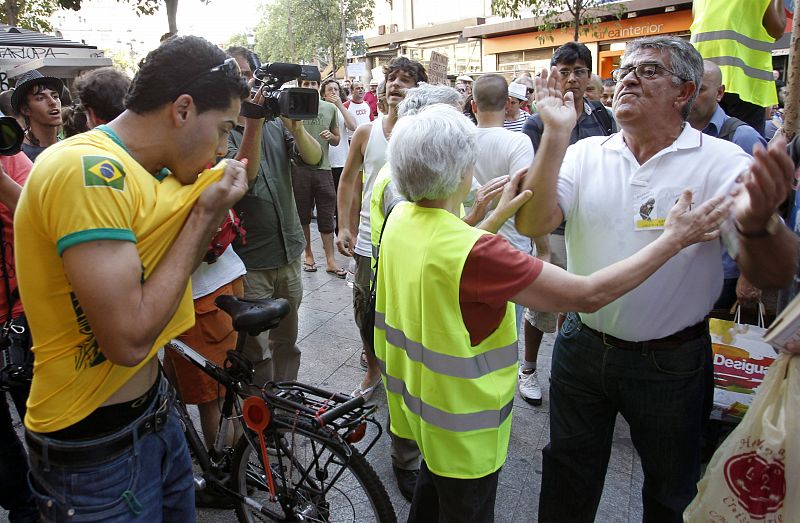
{"type": "Point", "coordinates": [100, 171]}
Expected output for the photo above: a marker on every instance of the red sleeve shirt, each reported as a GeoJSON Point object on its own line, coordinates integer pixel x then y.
{"type": "Point", "coordinates": [18, 167]}
{"type": "Point", "coordinates": [493, 273]}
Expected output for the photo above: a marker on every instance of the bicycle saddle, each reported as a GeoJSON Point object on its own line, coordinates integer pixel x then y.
{"type": "Point", "coordinates": [253, 316]}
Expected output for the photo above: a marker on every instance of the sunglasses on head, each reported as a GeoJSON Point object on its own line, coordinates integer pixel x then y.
{"type": "Point", "coordinates": [228, 66]}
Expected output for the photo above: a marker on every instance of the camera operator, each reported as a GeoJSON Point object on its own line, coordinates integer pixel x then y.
{"type": "Point", "coordinates": [275, 242]}
{"type": "Point", "coordinates": [15, 494]}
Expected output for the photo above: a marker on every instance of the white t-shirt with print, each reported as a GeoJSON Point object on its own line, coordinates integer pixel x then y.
{"type": "Point", "coordinates": [614, 207]}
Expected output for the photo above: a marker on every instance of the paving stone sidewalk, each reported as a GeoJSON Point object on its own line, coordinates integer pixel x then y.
{"type": "Point", "coordinates": [331, 348]}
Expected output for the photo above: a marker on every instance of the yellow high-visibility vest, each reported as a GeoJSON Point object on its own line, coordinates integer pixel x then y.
{"type": "Point", "coordinates": [452, 398]}
{"type": "Point", "coordinates": [731, 34]}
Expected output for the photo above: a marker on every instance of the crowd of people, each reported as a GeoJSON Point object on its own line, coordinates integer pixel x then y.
{"type": "Point", "coordinates": [558, 202]}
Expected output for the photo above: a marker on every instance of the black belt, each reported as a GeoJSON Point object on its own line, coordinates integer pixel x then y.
{"type": "Point", "coordinates": [668, 342]}
{"type": "Point", "coordinates": [93, 451]}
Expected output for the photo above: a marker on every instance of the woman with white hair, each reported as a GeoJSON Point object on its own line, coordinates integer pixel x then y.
{"type": "Point", "coordinates": [445, 333]}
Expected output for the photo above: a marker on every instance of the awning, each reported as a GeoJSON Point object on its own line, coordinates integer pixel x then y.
{"type": "Point", "coordinates": [22, 50]}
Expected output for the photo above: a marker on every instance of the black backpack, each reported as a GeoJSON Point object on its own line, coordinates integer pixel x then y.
{"type": "Point", "coordinates": [729, 127]}
{"type": "Point", "coordinates": [602, 116]}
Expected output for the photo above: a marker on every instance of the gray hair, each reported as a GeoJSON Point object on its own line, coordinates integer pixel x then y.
{"type": "Point", "coordinates": [426, 94]}
{"type": "Point", "coordinates": [685, 61]}
{"type": "Point", "coordinates": [431, 151]}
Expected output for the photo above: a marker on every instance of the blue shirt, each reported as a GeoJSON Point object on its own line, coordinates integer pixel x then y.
{"type": "Point", "coordinates": [745, 137]}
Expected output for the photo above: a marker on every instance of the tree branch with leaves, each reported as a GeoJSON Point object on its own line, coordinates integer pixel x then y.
{"type": "Point", "coordinates": [325, 24]}
{"type": "Point", "coordinates": [582, 16]}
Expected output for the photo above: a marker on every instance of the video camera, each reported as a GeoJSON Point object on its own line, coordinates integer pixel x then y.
{"type": "Point", "coordinates": [295, 103]}
{"type": "Point", "coordinates": [11, 136]}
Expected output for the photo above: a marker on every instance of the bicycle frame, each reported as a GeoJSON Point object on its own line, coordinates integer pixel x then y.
{"type": "Point", "coordinates": [345, 418]}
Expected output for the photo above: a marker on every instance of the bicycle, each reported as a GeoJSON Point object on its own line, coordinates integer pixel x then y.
{"type": "Point", "coordinates": [296, 459]}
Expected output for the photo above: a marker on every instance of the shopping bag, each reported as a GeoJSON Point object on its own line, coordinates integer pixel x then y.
{"type": "Point", "coordinates": [741, 357]}
{"type": "Point", "coordinates": [755, 473]}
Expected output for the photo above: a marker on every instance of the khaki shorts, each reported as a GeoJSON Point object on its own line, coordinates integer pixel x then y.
{"type": "Point", "coordinates": [546, 321]}
{"type": "Point", "coordinates": [212, 336]}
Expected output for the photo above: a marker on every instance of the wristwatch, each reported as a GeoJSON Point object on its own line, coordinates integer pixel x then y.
{"type": "Point", "coordinates": [770, 229]}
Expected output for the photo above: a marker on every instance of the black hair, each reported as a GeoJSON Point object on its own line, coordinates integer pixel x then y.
{"type": "Point", "coordinates": [325, 83]}
{"type": "Point", "coordinates": [165, 70]}
{"type": "Point", "coordinates": [609, 82]}
{"type": "Point", "coordinates": [570, 53]}
{"type": "Point", "coordinates": [103, 91]}
{"type": "Point", "coordinates": [237, 51]}
{"type": "Point", "coordinates": [75, 120]}
{"type": "Point", "coordinates": [401, 63]}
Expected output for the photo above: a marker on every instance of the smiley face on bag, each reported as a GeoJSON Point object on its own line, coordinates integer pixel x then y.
{"type": "Point", "coordinates": [759, 486]}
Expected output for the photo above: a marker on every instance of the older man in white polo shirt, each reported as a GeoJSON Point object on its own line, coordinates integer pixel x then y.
{"type": "Point", "coordinates": [647, 355]}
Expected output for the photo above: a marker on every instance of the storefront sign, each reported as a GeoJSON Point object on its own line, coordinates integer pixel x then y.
{"type": "Point", "coordinates": [627, 28]}
{"type": "Point", "coordinates": [437, 69]}
{"type": "Point", "coordinates": [14, 54]}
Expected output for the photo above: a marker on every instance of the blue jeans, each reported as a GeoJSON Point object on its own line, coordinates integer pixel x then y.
{"type": "Point", "coordinates": [151, 481]}
{"type": "Point", "coordinates": [15, 495]}
{"type": "Point", "coordinates": [660, 393]}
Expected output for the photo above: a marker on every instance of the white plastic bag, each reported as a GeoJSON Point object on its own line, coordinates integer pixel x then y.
{"type": "Point", "coordinates": [755, 473]}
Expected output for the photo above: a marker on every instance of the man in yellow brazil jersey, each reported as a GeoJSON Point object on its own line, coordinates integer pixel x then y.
{"type": "Point", "coordinates": [110, 225]}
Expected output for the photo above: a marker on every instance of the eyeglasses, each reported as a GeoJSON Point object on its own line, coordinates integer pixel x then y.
{"type": "Point", "coordinates": [227, 67]}
{"type": "Point", "coordinates": [647, 70]}
{"type": "Point", "coordinates": [579, 72]}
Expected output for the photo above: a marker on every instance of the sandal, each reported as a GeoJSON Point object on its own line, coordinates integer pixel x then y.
{"type": "Point", "coordinates": [363, 360]}
{"type": "Point", "coordinates": [339, 273]}
{"type": "Point", "coordinates": [309, 267]}
{"type": "Point", "coordinates": [366, 393]}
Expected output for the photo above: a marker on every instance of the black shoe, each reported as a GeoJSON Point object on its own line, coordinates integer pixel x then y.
{"type": "Point", "coordinates": [406, 481]}
{"type": "Point", "coordinates": [213, 498]}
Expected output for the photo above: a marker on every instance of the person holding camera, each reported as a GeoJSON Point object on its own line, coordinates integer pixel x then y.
{"type": "Point", "coordinates": [110, 225]}
{"type": "Point", "coordinates": [275, 242]}
{"type": "Point", "coordinates": [313, 185]}
{"type": "Point", "coordinates": [15, 494]}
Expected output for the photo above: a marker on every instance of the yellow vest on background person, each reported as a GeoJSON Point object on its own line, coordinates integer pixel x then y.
{"type": "Point", "coordinates": [452, 398]}
{"type": "Point", "coordinates": [376, 216]}
{"type": "Point", "coordinates": [731, 34]}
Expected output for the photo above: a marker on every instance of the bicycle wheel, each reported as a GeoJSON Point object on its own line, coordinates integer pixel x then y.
{"type": "Point", "coordinates": [314, 479]}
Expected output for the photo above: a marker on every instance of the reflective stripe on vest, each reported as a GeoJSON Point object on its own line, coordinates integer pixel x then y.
{"type": "Point", "coordinates": [484, 419]}
{"type": "Point", "coordinates": [731, 34]}
{"type": "Point", "coordinates": [454, 366]}
{"type": "Point", "coordinates": [452, 398]}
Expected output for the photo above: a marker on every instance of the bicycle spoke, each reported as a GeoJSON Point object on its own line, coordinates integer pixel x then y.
{"type": "Point", "coordinates": [313, 479]}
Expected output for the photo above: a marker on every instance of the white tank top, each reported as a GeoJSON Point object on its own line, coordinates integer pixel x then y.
{"type": "Point", "coordinates": [374, 160]}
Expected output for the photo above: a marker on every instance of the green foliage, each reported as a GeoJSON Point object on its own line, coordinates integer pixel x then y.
{"type": "Point", "coordinates": [125, 60]}
{"type": "Point", "coordinates": [34, 14]}
{"type": "Point", "coordinates": [238, 40]}
{"type": "Point", "coordinates": [304, 30]}
{"type": "Point", "coordinates": [581, 16]}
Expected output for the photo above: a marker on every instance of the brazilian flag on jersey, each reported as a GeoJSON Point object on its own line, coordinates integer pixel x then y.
{"type": "Point", "coordinates": [100, 171]}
